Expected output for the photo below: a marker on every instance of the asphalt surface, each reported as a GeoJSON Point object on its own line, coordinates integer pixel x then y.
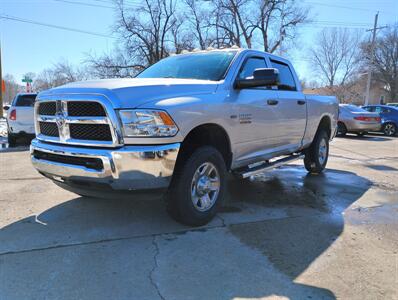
{"type": "Point", "coordinates": [287, 235]}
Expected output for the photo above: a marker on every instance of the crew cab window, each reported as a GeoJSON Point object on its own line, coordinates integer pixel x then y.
{"type": "Point", "coordinates": [25, 100]}
{"type": "Point", "coordinates": [286, 78]}
{"type": "Point", "coordinates": [250, 65]}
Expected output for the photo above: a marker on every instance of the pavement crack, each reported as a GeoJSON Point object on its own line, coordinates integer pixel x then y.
{"type": "Point", "coordinates": [155, 266]}
{"type": "Point", "coordinates": [222, 220]}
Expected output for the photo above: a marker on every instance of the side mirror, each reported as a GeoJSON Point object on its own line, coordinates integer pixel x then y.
{"type": "Point", "coordinates": [6, 107]}
{"type": "Point", "coordinates": [261, 77]}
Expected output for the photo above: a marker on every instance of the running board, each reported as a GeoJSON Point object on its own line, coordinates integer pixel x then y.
{"type": "Point", "coordinates": [268, 166]}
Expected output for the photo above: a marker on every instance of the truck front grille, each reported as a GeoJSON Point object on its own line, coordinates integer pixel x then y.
{"type": "Point", "coordinates": [75, 122]}
{"type": "Point", "coordinates": [47, 108]}
{"type": "Point", "coordinates": [49, 129]}
{"type": "Point", "coordinates": [88, 109]}
{"type": "Point", "coordinates": [88, 162]}
{"type": "Point", "coordinates": [91, 132]}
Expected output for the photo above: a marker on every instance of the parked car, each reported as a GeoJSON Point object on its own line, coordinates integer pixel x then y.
{"type": "Point", "coordinates": [181, 125]}
{"type": "Point", "coordinates": [389, 117]}
{"type": "Point", "coordinates": [353, 119]}
{"type": "Point", "coordinates": [20, 118]}
{"type": "Point", "coordinates": [392, 104]}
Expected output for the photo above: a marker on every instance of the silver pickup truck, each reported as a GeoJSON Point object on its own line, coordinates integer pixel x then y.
{"type": "Point", "coordinates": [181, 125]}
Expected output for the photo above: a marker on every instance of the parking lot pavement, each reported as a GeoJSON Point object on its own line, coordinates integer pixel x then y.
{"type": "Point", "coordinates": [285, 235]}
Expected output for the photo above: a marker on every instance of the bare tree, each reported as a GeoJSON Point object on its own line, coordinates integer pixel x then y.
{"type": "Point", "coordinates": [385, 60]}
{"type": "Point", "coordinates": [116, 65]}
{"type": "Point", "coordinates": [147, 29]}
{"type": "Point", "coordinates": [274, 21]}
{"type": "Point", "coordinates": [336, 55]}
{"type": "Point", "coordinates": [277, 22]}
{"type": "Point", "coordinates": [59, 74]}
{"type": "Point", "coordinates": [199, 19]}
{"type": "Point", "coordinates": [12, 88]}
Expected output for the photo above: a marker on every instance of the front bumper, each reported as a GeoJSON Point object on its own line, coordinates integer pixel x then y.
{"type": "Point", "coordinates": [124, 168]}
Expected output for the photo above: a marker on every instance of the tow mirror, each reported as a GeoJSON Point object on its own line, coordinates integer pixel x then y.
{"type": "Point", "coordinates": [261, 77]}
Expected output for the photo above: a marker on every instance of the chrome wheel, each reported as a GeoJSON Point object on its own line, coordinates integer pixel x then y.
{"type": "Point", "coordinates": [389, 129]}
{"type": "Point", "coordinates": [323, 151]}
{"type": "Point", "coordinates": [205, 186]}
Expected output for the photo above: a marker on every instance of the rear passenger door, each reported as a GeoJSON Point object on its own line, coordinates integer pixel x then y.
{"type": "Point", "coordinates": [292, 106]}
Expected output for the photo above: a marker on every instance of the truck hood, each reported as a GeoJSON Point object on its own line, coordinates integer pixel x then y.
{"type": "Point", "coordinates": [134, 92]}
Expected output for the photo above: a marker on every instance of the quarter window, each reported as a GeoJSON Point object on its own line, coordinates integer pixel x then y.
{"type": "Point", "coordinates": [286, 78]}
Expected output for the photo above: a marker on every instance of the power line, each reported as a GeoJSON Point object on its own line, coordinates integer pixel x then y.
{"type": "Point", "coordinates": [17, 19]}
{"type": "Point", "coordinates": [345, 7]}
{"type": "Point", "coordinates": [85, 4]}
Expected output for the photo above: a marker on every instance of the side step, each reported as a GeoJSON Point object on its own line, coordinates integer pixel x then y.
{"type": "Point", "coordinates": [268, 166]}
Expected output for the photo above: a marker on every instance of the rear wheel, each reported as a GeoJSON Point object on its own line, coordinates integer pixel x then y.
{"type": "Point", "coordinates": [390, 129]}
{"type": "Point", "coordinates": [341, 129]}
{"type": "Point", "coordinates": [12, 140]}
{"type": "Point", "coordinates": [316, 156]}
{"type": "Point", "coordinates": [197, 188]}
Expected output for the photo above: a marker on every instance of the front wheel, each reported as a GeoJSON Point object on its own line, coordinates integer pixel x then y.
{"type": "Point", "coordinates": [197, 188]}
{"type": "Point", "coordinates": [316, 156]}
{"type": "Point", "coordinates": [390, 129]}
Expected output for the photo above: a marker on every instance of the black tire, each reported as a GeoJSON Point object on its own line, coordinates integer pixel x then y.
{"type": "Point", "coordinates": [314, 161]}
{"type": "Point", "coordinates": [179, 201]}
{"type": "Point", "coordinates": [390, 129]}
{"type": "Point", "coordinates": [12, 140]}
{"type": "Point", "coordinates": [341, 129]}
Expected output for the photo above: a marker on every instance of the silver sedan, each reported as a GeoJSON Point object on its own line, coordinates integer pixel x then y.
{"type": "Point", "coordinates": [353, 119]}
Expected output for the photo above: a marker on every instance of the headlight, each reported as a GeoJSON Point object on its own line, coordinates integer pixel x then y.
{"type": "Point", "coordinates": [147, 123]}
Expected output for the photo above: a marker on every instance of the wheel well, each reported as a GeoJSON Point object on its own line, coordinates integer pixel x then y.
{"type": "Point", "coordinates": [207, 135]}
{"type": "Point", "coordinates": [325, 124]}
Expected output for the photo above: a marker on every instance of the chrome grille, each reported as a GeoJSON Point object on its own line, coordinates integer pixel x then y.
{"type": "Point", "coordinates": [49, 129]}
{"type": "Point", "coordinates": [47, 108]}
{"type": "Point", "coordinates": [82, 108]}
{"type": "Point", "coordinates": [93, 132]}
{"type": "Point", "coordinates": [75, 122]}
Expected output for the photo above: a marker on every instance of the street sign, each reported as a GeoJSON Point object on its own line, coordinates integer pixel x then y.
{"type": "Point", "coordinates": [26, 79]}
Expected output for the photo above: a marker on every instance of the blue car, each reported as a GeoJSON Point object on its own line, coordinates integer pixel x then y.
{"type": "Point", "coordinates": [389, 117]}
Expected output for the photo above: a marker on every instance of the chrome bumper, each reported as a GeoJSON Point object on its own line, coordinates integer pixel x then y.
{"type": "Point", "coordinates": [125, 168]}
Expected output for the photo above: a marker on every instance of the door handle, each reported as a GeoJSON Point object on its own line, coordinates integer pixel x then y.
{"type": "Point", "coordinates": [300, 102]}
{"type": "Point", "coordinates": [272, 102]}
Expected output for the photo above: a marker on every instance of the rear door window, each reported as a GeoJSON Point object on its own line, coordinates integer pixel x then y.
{"type": "Point", "coordinates": [286, 78]}
{"type": "Point", "coordinates": [25, 100]}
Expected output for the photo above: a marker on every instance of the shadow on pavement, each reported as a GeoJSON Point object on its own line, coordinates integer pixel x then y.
{"type": "Point", "coordinates": [310, 206]}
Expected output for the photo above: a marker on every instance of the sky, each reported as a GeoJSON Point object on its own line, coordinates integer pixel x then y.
{"type": "Point", "coordinates": [30, 47]}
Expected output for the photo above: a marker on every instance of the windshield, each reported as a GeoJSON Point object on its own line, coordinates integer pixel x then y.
{"type": "Point", "coordinates": [354, 108]}
{"type": "Point", "coordinates": [203, 66]}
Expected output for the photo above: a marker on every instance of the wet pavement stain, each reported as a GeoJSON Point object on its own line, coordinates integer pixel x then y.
{"type": "Point", "coordinates": [292, 186]}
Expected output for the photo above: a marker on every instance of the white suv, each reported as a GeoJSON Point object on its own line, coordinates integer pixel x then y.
{"type": "Point", "coordinates": [20, 117]}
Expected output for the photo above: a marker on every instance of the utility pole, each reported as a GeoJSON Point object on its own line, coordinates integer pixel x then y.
{"type": "Point", "coordinates": [372, 50]}
{"type": "Point", "coordinates": [1, 88]}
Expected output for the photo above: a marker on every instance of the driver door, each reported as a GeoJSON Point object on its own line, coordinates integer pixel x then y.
{"type": "Point", "coordinates": [258, 115]}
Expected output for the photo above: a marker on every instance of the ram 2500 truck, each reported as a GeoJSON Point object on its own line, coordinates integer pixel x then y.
{"type": "Point", "coordinates": [181, 125]}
